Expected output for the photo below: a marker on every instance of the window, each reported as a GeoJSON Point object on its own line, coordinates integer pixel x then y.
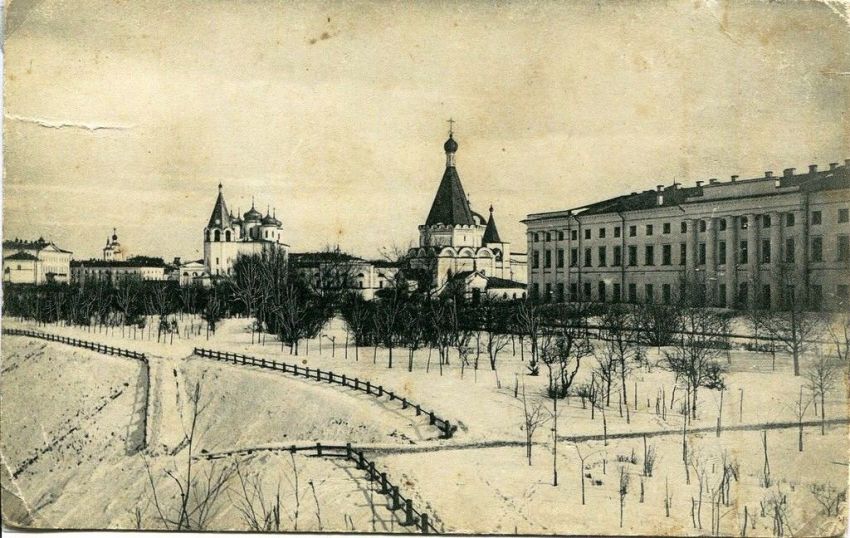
{"type": "Point", "coordinates": [765, 296]}
{"type": "Point", "coordinates": [789, 220]}
{"type": "Point", "coordinates": [548, 236]}
{"type": "Point", "coordinates": [560, 236]}
{"type": "Point", "coordinates": [548, 262]}
{"type": "Point", "coordinates": [535, 290]}
{"type": "Point", "coordinates": [616, 231]}
{"type": "Point", "coordinates": [632, 255]}
{"type": "Point", "coordinates": [601, 233]}
{"type": "Point", "coordinates": [843, 292]}
{"type": "Point", "coordinates": [560, 258]}
{"type": "Point", "coordinates": [560, 292]}
{"type": "Point", "coordinates": [843, 248]}
{"type": "Point", "coordinates": [535, 259]}
{"type": "Point", "coordinates": [601, 288]}
{"type": "Point", "coordinates": [573, 257]}
{"type": "Point", "coordinates": [587, 291]}
{"type": "Point", "coordinates": [649, 295]}
{"type": "Point", "coordinates": [816, 296]}
{"type": "Point", "coordinates": [843, 216]}
{"type": "Point", "coordinates": [616, 295]}
{"type": "Point", "coordinates": [602, 257]}
{"type": "Point", "coordinates": [721, 251]}
{"type": "Point", "coordinates": [649, 255]}
{"type": "Point", "coordinates": [701, 254]}
{"type": "Point", "coordinates": [683, 253]}
{"type": "Point", "coordinates": [574, 235]}
{"type": "Point", "coordinates": [745, 223]}
{"type": "Point", "coordinates": [701, 225]}
{"type": "Point", "coordinates": [573, 291]}
{"type": "Point", "coordinates": [817, 249]}
{"type": "Point", "coordinates": [588, 257]}
{"type": "Point", "coordinates": [743, 291]}
{"type": "Point", "coordinates": [666, 255]}
{"type": "Point", "coordinates": [744, 257]}
{"type": "Point", "coordinates": [632, 292]}
{"type": "Point", "coordinates": [683, 227]}
{"type": "Point", "coordinates": [632, 231]}
{"type": "Point", "coordinates": [666, 294]}
{"type": "Point", "coordinates": [666, 228]}
{"type": "Point", "coordinates": [765, 221]}
{"type": "Point", "coordinates": [649, 229]}
{"type": "Point", "coordinates": [816, 218]}
{"type": "Point", "coordinates": [789, 250]}
{"type": "Point", "coordinates": [217, 235]}
{"type": "Point", "coordinates": [548, 292]}
{"type": "Point", "coordinates": [587, 233]}
{"type": "Point", "coordinates": [721, 294]}
{"type": "Point", "coordinates": [618, 256]}
{"type": "Point", "coordinates": [765, 251]}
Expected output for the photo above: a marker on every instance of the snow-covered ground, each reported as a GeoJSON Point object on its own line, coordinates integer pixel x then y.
{"type": "Point", "coordinates": [478, 481]}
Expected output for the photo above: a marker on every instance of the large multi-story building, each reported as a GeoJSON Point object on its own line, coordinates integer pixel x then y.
{"type": "Point", "coordinates": [35, 262]}
{"type": "Point", "coordinates": [456, 240]}
{"type": "Point", "coordinates": [136, 267]}
{"type": "Point", "coordinates": [226, 237]}
{"type": "Point", "coordinates": [761, 242]}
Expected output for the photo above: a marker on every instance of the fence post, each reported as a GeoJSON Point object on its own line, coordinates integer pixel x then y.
{"type": "Point", "coordinates": [343, 379]}
{"type": "Point", "coordinates": [372, 470]}
{"type": "Point", "coordinates": [404, 404]}
{"type": "Point", "coordinates": [356, 383]}
{"type": "Point", "coordinates": [348, 451]}
{"type": "Point", "coordinates": [384, 488]}
{"type": "Point", "coordinates": [307, 372]}
{"type": "Point", "coordinates": [318, 374]}
{"type": "Point", "coordinates": [418, 410]}
{"type": "Point", "coordinates": [447, 429]}
{"type": "Point", "coordinates": [361, 463]}
{"type": "Point", "coordinates": [368, 387]}
{"type": "Point", "coordinates": [423, 523]}
{"type": "Point", "coordinates": [380, 390]}
{"type": "Point", "coordinates": [396, 503]}
{"type": "Point", "coordinates": [408, 512]}
{"type": "Point", "coordinates": [318, 449]}
{"type": "Point", "coordinates": [431, 418]}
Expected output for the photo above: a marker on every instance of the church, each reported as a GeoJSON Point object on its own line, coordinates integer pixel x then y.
{"type": "Point", "coordinates": [456, 244]}
{"type": "Point", "coordinates": [226, 236]}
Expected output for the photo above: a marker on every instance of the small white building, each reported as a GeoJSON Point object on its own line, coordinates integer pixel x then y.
{"type": "Point", "coordinates": [35, 262]}
{"type": "Point", "coordinates": [337, 271]}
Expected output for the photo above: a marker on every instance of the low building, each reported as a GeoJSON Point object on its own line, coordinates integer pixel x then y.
{"type": "Point", "coordinates": [340, 272]}
{"type": "Point", "coordinates": [475, 284]}
{"type": "Point", "coordinates": [141, 267]}
{"type": "Point", "coordinates": [760, 242]}
{"type": "Point", "coordinates": [35, 262]}
{"type": "Point", "coordinates": [188, 273]}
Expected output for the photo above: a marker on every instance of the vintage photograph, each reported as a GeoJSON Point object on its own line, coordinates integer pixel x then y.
{"type": "Point", "coordinates": [483, 268]}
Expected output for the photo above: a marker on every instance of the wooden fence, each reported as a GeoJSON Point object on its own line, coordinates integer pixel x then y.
{"type": "Point", "coordinates": [94, 346]}
{"type": "Point", "coordinates": [411, 517]}
{"type": "Point", "coordinates": [445, 427]}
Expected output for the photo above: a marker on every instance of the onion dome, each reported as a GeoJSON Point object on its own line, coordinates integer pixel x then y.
{"type": "Point", "coordinates": [252, 215]}
{"type": "Point", "coordinates": [450, 146]}
{"type": "Point", "coordinates": [268, 220]}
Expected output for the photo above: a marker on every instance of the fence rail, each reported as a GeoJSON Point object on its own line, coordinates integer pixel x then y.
{"type": "Point", "coordinates": [94, 346]}
{"type": "Point", "coordinates": [447, 429]}
{"type": "Point", "coordinates": [421, 521]}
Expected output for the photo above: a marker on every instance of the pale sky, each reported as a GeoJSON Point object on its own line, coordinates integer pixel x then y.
{"type": "Point", "coordinates": [335, 113]}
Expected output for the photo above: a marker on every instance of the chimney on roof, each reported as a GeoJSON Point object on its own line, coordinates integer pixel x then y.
{"type": "Point", "coordinates": [813, 168]}
{"type": "Point", "coordinates": [734, 178]}
{"type": "Point", "coordinates": [660, 195]}
{"type": "Point", "coordinates": [768, 174]}
{"type": "Point", "coordinates": [847, 163]}
{"type": "Point", "coordinates": [699, 183]}
{"type": "Point", "coordinates": [788, 172]}
{"type": "Point", "coordinates": [712, 181]}
{"type": "Point", "coordinates": [833, 166]}
{"type": "Point", "coordinates": [176, 260]}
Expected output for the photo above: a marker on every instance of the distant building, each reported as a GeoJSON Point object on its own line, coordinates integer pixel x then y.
{"type": "Point", "coordinates": [226, 237]}
{"type": "Point", "coordinates": [35, 262]}
{"type": "Point", "coordinates": [456, 240]}
{"type": "Point", "coordinates": [758, 242]}
{"type": "Point", "coordinates": [337, 271]}
{"type": "Point", "coordinates": [141, 267]}
{"type": "Point", "coordinates": [193, 272]}
{"type": "Point", "coordinates": [113, 251]}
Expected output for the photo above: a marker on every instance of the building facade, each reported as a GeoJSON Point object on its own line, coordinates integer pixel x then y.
{"type": "Point", "coordinates": [139, 267]}
{"type": "Point", "coordinates": [226, 237]}
{"type": "Point", "coordinates": [455, 239]}
{"type": "Point", "coordinates": [335, 271]}
{"type": "Point", "coordinates": [760, 242]}
{"type": "Point", "coordinates": [35, 262]}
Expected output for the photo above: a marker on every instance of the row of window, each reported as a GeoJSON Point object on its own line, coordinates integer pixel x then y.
{"type": "Point", "coordinates": [816, 254]}
{"type": "Point", "coordinates": [666, 228]}
{"type": "Point", "coordinates": [842, 292]}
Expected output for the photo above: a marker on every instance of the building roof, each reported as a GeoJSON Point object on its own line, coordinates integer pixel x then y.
{"type": "Point", "coordinates": [836, 177]}
{"type": "Point", "coordinates": [21, 256]}
{"type": "Point", "coordinates": [23, 244]}
{"type": "Point", "coordinates": [135, 261]}
{"type": "Point", "coordinates": [450, 206]}
{"type": "Point", "coordinates": [220, 217]}
{"type": "Point", "coordinates": [497, 283]}
{"type": "Point", "coordinates": [491, 234]}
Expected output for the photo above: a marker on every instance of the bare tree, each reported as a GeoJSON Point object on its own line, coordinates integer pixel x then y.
{"type": "Point", "coordinates": [619, 341]}
{"type": "Point", "coordinates": [794, 329]}
{"type": "Point", "coordinates": [528, 323]}
{"type": "Point", "coordinates": [533, 417]}
{"type": "Point", "coordinates": [821, 376]}
{"type": "Point", "coordinates": [258, 513]}
{"type": "Point", "coordinates": [839, 332]}
{"type": "Point", "coordinates": [625, 478]}
{"type": "Point", "coordinates": [829, 497]}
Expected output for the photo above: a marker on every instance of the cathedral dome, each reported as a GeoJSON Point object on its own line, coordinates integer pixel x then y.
{"type": "Point", "coordinates": [253, 215]}
{"type": "Point", "coordinates": [450, 146]}
{"type": "Point", "coordinates": [268, 220]}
